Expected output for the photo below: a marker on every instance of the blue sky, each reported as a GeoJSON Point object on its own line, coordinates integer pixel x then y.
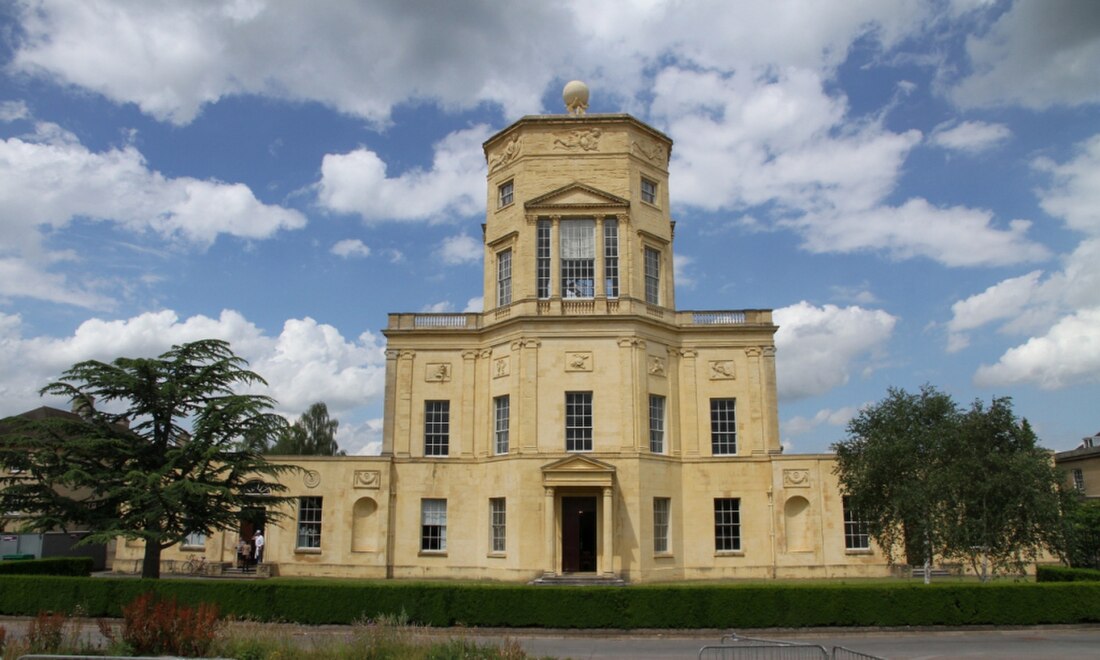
{"type": "Point", "coordinates": [913, 187]}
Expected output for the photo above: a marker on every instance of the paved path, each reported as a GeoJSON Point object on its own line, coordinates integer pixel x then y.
{"type": "Point", "coordinates": [1030, 642]}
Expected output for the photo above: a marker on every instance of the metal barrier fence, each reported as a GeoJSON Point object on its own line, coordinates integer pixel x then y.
{"type": "Point", "coordinates": [736, 647]}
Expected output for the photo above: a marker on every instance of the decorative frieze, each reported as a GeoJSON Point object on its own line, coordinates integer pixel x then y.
{"type": "Point", "coordinates": [796, 478]}
{"type": "Point", "coordinates": [367, 479]}
{"type": "Point", "coordinates": [578, 361]}
{"type": "Point", "coordinates": [583, 140]}
{"type": "Point", "coordinates": [656, 366]}
{"type": "Point", "coordinates": [722, 370]}
{"type": "Point", "coordinates": [501, 367]}
{"type": "Point", "coordinates": [506, 155]}
{"type": "Point", "coordinates": [437, 372]}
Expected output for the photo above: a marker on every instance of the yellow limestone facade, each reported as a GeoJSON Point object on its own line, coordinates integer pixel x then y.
{"type": "Point", "coordinates": [581, 424]}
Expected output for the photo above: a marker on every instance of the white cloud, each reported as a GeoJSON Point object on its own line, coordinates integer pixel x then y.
{"type": "Point", "coordinates": [366, 58]}
{"type": "Point", "coordinates": [475, 304]}
{"type": "Point", "coordinates": [1003, 300]}
{"type": "Point", "coordinates": [461, 249]}
{"type": "Point", "coordinates": [13, 110]}
{"type": "Point", "coordinates": [819, 347]}
{"type": "Point", "coordinates": [306, 362]}
{"type": "Point", "coordinates": [823, 417]}
{"type": "Point", "coordinates": [364, 439]}
{"type": "Point", "coordinates": [441, 307]}
{"type": "Point", "coordinates": [1069, 354]}
{"type": "Point", "coordinates": [1074, 193]}
{"type": "Point", "coordinates": [781, 147]}
{"type": "Point", "coordinates": [969, 136]}
{"type": "Point", "coordinates": [49, 179]}
{"type": "Point", "coordinates": [680, 265]}
{"type": "Point", "coordinates": [350, 247]}
{"type": "Point", "coordinates": [1037, 54]}
{"type": "Point", "coordinates": [357, 182]}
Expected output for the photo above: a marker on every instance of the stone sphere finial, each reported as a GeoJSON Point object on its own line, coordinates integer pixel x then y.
{"type": "Point", "coordinates": [575, 96]}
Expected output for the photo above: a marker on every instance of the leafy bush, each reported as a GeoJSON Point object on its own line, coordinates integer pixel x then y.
{"type": "Point", "coordinates": [644, 606]}
{"type": "Point", "coordinates": [154, 626]}
{"type": "Point", "coordinates": [46, 632]}
{"type": "Point", "coordinates": [71, 566]}
{"type": "Point", "coordinates": [1064, 574]}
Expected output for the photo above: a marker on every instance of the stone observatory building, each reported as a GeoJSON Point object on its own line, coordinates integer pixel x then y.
{"type": "Point", "coordinates": [581, 428]}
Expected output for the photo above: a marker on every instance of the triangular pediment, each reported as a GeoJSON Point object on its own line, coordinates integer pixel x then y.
{"type": "Point", "coordinates": [578, 463]}
{"type": "Point", "coordinates": [577, 196]}
{"type": "Point", "coordinates": [578, 472]}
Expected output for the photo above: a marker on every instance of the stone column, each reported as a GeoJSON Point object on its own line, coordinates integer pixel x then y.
{"type": "Point", "coordinates": [469, 396]}
{"type": "Point", "coordinates": [549, 538]}
{"type": "Point", "coordinates": [598, 281]}
{"type": "Point", "coordinates": [389, 410]}
{"type": "Point", "coordinates": [555, 257]}
{"type": "Point", "coordinates": [755, 443]}
{"type": "Point", "coordinates": [607, 566]}
{"type": "Point", "coordinates": [403, 431]}
{"type": "Point", "coordinates": [691, 403]}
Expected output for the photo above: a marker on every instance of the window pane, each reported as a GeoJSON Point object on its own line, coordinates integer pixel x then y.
{"type": "Point", "coordinates": [433, 525]}
{"type": "Point", "coordinates": [505, 196]}
{"type": "Point", "coordinates": [437, 427]}
{"type": "Point", "coordinates": [652, 276]}
{"type": "Point", "coordinates": [504, 278]}
{"type": "Point", "coordinates": [856, 534]}
{"type": "Point", "coordinates": [578, 258]}
{"type": "Point", "coordinates": [727, 524]}
{"type": "Point", "coordinates": [611, 257]}
{"type": "Point", "coordinates": [660, 524]}
{"type": "Point", "coordinates": [649, 191]}
{"type": "Point", "coordinates": [578, 421]}
{"type": "Point", "coordinates": [501, 415]}
{"type": "Point", "coordinates": [309, 522]}
{"type": "Point", "coordinates": [497, 523]}
{"type": "Point", "coordinates": [723, 427]}
{"type": "Point", "coordinates": [542, 258]}
{"type": "Point", "coordinates": [656, 424]}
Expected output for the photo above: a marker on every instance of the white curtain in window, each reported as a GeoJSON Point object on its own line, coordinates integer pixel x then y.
{"type": "Point", "coordinates": [434, 512]}
{"type": "Point", "coordinates": [578, 239]}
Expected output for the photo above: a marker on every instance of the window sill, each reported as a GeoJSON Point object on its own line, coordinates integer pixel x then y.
{"type": "Point", "coordinates": [501, 207]}
{"type": "Point", "coordinates": [432, 553]}
{"type": "Point", "coordinates": [858, 551]}
{"type": "Point", "coordinates": [729, 553]}
{"type": "Point", "coordinates": [193, 548]}
{"type": "Point", "coordinates": [307, 551]}
{"type": "Point", "coordinates": [663, 555]}
{"type": "Point", "coordinates": [497, 555]}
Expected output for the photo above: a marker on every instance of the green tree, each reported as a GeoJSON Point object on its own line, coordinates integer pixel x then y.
{"type": "Point", "coordinates": [935, 480]}
{"type": "Point", "coordinates": [1001, 492]}
{"type": "Point", "coordinates": [171, 463]}
{"type": "Point", "coordinates": [1082, 531]}
{"type": "Point", "coordinates": [314, 434]}
{"type": "Point", "coordinates": [890, 465]}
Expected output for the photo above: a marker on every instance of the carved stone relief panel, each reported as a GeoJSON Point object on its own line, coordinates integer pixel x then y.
{"type": "Point", "coordinates": [508, 153]}
{"type": "Point", "coordinates": [578, 361]}
{"type": "Point", "coordinates": [722, 370]}
{"type": "Point", "coordinates": [650, 150]}
{"type": "Point", "coordinates": [583, 140]}
{"type": "Point", "coordinates": [311, 478]}
{"type": "Point", "coordinates": [501, 367]}
{"type": "Point", "coordinates": [437, 372]}
{"type": "Point", "coordinates": [367, 479]}
{"type": "Point", "coordinates": [796, 478]}
{"type": "Point", "coordinates": [657, 366]}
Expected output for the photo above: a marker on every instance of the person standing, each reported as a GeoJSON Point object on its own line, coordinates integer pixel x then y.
{"type": "Point", "coordinates": [258, 543]}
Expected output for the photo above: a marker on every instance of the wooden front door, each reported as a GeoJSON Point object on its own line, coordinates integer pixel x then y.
{"type": "Point", "coordinates": [578, 535]}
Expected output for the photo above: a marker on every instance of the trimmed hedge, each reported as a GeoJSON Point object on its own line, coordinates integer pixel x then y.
{"type": "Point", "coordinates": [645, 606]}
{"type": "Point", "coordinates": [71, 566]}
{"type": "Point", "coordinates": [1065, 574]}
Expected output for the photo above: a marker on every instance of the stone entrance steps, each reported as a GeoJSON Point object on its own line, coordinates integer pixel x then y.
{"type": "Point", "coordinates": [579, 580]}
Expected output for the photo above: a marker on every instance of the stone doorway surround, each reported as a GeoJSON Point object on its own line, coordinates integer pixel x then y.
{"type": "Point", "coordinates": [580, 476]}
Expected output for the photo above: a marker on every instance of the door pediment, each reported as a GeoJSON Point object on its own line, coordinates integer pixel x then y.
{"type": "Point", "coordinates": [577, 197]}
{"type": "Point", "coordinates": [578, 470]}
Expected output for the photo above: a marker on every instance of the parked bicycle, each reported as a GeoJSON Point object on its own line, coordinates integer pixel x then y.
{"type": "Point", "coordinates": [195, 565]}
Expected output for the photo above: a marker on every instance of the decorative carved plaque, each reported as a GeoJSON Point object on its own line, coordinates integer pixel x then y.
{"type": "Point", "coordinates": [367, 479]}
{"type": "Point", "coordinates": [311, 478]}
{"type": "Point", "coordinates": [651, 150]}
{"type": "Point", "coordinates": [506, 155]}
{"type": "Point", "coordinates": [796, 478]}
{"type": "Point", "coordinates": [656, 366]}
{"type": "Point", "coordinates": [583, 140]}
{"type": "Point", "coordinates": [722, 370]}
{"type": "Point", "coordinates": [500, 367]}
{"type": "Point", "coordinates": [578, 361]}
{"type": "Point", "coordinates": [437, 372]}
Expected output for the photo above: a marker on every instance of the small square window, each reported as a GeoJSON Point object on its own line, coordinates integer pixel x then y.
{"type": "Point", "coordinates": [649, 191]}
{"type": "Point", "coordinates": [505, 194]}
